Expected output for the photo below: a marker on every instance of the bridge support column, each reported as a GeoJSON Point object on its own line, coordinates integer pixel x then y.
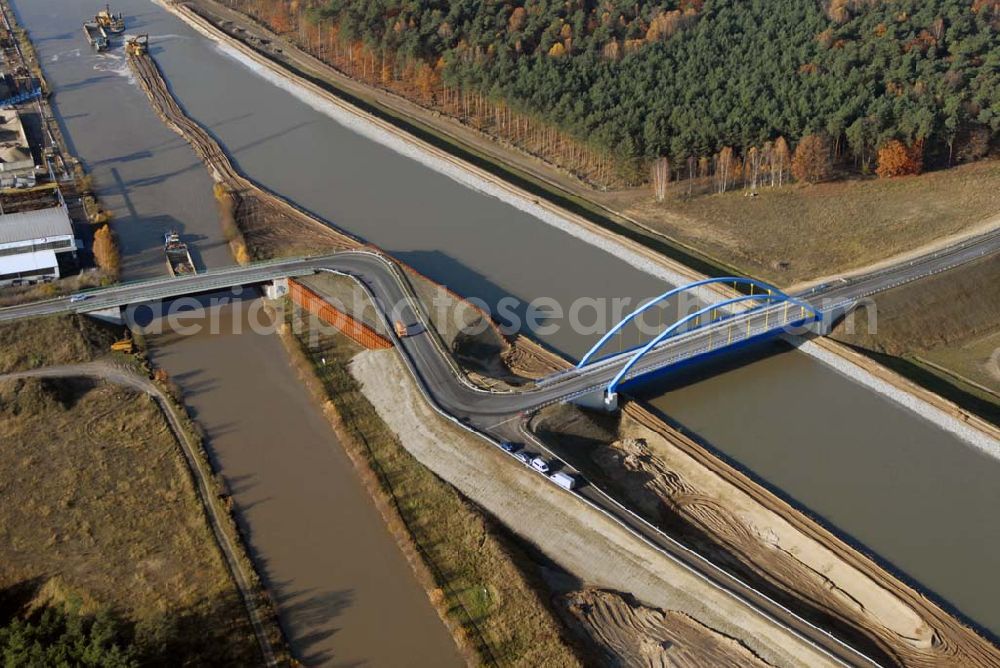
{"type": "Point", "coordinates": [112, 315]}
{"type": "Point", "coordinates": [598, 400]}
{"type": "Point", "coordinates": [830, 318]}
{"type": "Point", "coordinates": [276, 289]}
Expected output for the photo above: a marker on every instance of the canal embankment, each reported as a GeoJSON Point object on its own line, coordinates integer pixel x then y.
{"type": "Point", "coordinates": [820, 403]}
{"type": "Point", "coordinates": [580, 539]}
{"type": "Point", "coordinates": [379, 130]}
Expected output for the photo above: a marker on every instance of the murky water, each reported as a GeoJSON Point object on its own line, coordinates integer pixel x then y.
{"type": "Point", "coordinates": [344, 589]}
{"type": "Point", "coordinates": [804, 415]}
{"type": "Point", "coordinates": [925, 503]}
{"type": "Point", "coordinates": [345, 593]}
{"type": "Point", "coordinates": [144, 173]}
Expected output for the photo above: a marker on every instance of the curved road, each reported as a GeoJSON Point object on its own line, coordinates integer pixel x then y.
{"type": "Point", "coordinates": [499, 415]}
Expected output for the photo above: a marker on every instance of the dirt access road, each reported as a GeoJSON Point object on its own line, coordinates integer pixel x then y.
{"type": "Point", "coordinates": [119, 376]}
{"type": "Point", "coordinates": [581, 539]}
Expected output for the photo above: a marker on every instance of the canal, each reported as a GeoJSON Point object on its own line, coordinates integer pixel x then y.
{"type": "Point", "coordinates": [904, 488]}
{"type": "Point", "coordinates": [344, 591]}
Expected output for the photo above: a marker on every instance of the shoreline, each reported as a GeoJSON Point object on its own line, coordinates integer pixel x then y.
{"type": "Point", "coordinates": [950, 417]}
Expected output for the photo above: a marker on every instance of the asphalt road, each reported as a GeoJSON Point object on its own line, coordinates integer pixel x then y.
{"type": "Point", "coordinates": [500, 415]}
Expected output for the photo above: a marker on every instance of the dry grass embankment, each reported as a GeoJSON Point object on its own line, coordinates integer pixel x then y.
{"type": "Point", "coordinates": [98, 509]}
{"type": "Point", "coordinates": [480, 582]}
{"type": "Point", "coordinates": [943, 310]}
{"type": "Point", "coordinates": [952, 321]}
{"type": "Point", "coordinates": [54, 340]}
{"type": "Point", "coordinates": [799, 232]}
{"type": "Point", "coordinates": [227, 203]}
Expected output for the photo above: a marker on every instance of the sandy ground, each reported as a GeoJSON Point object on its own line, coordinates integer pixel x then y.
{"type": "Point", "coordinates": [796, 554]}
{"type": "Point", "coordinates": [578, 538]}
{"type": "Point", "coordinates": [630, 634]}
{"type": "Point", "coordinates": [719, 517]}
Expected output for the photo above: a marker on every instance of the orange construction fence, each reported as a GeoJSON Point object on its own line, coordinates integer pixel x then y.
{"type": "Point", "coordinates": [357, 331]}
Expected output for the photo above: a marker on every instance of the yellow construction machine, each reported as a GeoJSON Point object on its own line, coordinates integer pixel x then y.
{"type": "Point", "coordinates": [137, 45]}
{"type": "Point", "coordinates": [123, 346]}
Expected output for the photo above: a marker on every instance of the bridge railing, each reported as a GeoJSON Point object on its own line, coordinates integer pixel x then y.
{"type": "Point", "coordinates": [736, 282]}
{"type": "Point", "coordinates": [758, 320]}
{"type": "Point", "coordinates": [732, 334]}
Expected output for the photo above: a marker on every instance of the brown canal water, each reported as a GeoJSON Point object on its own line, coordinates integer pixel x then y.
{"type": "Point", "coordinates": [345, 592]}
{"type": "Point", "coordinates": [851, 456]}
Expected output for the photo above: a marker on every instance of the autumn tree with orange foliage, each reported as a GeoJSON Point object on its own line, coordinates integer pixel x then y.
{"type": "Point", "coordinates": [812, 162]}
{"type": "Point", "coordinates": [607, 119]}
{"type": "Point", "coordinates": [897, 159]}
{"type": "Point", "coordinates": [106, 250]}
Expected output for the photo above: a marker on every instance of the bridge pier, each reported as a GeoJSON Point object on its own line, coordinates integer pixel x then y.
{"type": "Point", "coordinates": [276, 289]}
{"type": "Point", "coordinates": [598, 400]}
{"type": "Point", "coordinates": [112, 314]}
{"type": "Point", "coordinates": [830, 318]}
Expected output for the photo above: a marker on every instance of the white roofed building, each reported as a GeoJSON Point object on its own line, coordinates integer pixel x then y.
{"type": "Point", "coordinates": [30, 242]}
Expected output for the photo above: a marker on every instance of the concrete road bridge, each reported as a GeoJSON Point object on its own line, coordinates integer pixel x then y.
{"type": "Point", "coordinates": [725, 320]}
{"type": "Point", "coordinates": [719, 324]}
{"type": "Point", "coordinates": [714, 328]}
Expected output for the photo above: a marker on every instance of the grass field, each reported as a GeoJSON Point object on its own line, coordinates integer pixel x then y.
{"type": "Point", "coordinates": [951, 320]}
{"type": "Point", "coordinates": [98, 510]}
{"type": "Point", "coordinates": [977, 360]}
{"type": "Point", "coordinates": [483, 580]}
{"type": "Point", "coordinates": [826, 228]}
{"type": "Point", "coordinates": [65, 339]}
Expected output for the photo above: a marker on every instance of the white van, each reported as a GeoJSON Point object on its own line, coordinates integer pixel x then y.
{"type": "Point", "coordinates": [540, 465]}
{"type": "Point", "coordinates": [565, 480]}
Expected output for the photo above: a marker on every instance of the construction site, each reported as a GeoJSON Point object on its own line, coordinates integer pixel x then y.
{"type": "Point", "coordinates": [881, 630]}
{"type": "Point", "coordinates": [329, 495]}
{"type": "Point", "coordinates": [43, 220]}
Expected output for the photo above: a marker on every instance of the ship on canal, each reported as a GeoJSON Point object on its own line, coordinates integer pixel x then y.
{"type": "Point", "coordinates": [96, 35]}
{"type": "Point", "coordinates": [179, 261]}
{"type": "Point", "coordinates": [112, 23]}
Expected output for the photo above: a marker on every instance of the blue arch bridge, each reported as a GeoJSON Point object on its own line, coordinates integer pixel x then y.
{"type": "Point", "coordinates": [720, 323]}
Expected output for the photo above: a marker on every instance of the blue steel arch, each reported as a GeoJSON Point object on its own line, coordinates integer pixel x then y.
{"type": "Point", "coordinates": [780, 297]}
{"type": "Point", "coordinates": [735, 280]}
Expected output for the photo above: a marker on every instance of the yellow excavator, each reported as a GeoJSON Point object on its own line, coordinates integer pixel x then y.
{"type": "Point", "coordinates": [126, 345]}
{"type": "Point", "coordinates": [137, 45]}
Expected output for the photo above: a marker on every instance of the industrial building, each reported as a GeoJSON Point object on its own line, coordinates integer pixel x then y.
{"type": "Point", "coordinates": [17, 166]}
{"type": "Point", "coordinates": [31, 243]}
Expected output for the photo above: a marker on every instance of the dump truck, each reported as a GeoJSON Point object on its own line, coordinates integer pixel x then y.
{"type": "Point", "coordinates": [96, 36]}
{"type": "Point", "coordinates": [178, 257]}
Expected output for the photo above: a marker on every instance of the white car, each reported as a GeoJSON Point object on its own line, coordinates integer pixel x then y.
{"type": "Point", "coordinates": [524, 457]}
{"type": "Point", "coordinates": [540, 465]}
{"type": "Point", "coordinates": [78, 298]}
